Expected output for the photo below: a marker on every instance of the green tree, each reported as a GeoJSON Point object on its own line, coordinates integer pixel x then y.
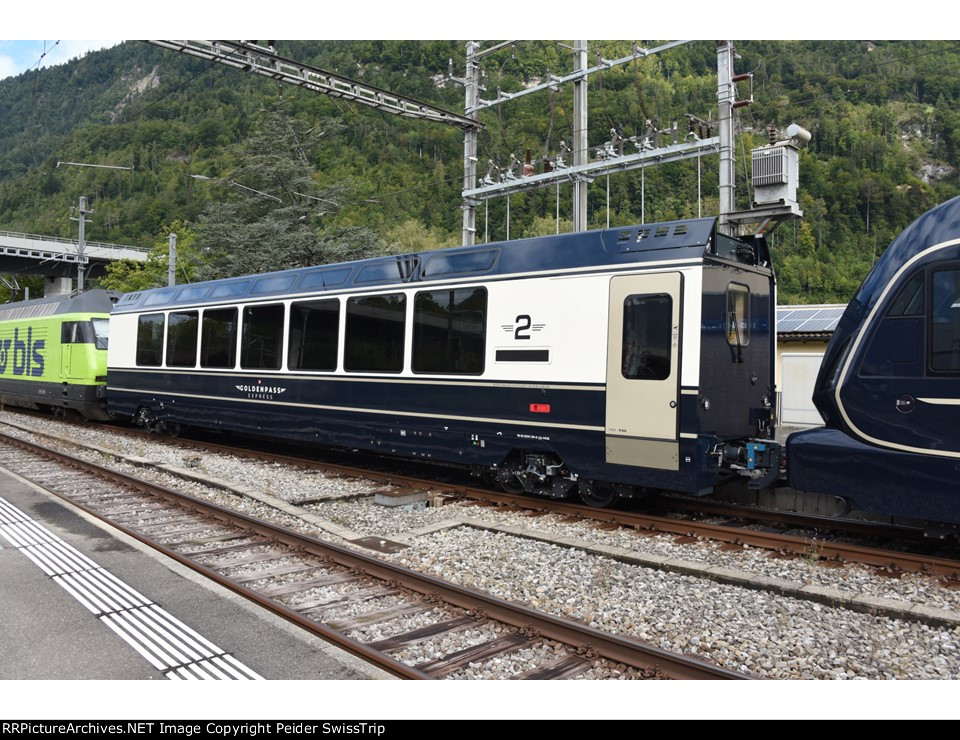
{"type": "Point", "coordinates": [412, 236]}
{"type": "Point", "coordinates": [128, 276]}
{"type": "Point", "coordinates": [270, 214]}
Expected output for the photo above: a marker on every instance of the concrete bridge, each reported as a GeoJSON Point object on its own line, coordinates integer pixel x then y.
{"type": "Point", "coordinates": [32, 254]}
{"type": "Point", "coordinates": [58, 260]}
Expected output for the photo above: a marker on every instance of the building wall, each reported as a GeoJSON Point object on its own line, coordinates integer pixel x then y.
{"type": "Point", "coordinates": [795, 380]}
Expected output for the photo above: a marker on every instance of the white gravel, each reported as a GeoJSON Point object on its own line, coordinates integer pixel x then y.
{"type": "Point", "coordinates": [450, 642]}
{"type": "Point", "coordinates": [743, 629]}
{"type": "Point", "coordinates": [211, 494]}
{"type": "Point", "coordinates": [382, 630]}
{"type": "Point", "coordinates": [739, 628]}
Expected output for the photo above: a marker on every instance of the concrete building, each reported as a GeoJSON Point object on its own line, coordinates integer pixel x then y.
{"type": "Point", "coordinates": [803, 333]}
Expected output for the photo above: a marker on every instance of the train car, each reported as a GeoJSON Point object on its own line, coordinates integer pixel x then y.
{"type": "Point", "coordinates": [611, 362]}
{"type": "Point", "coordinates": [889, 386]}
{"type": "Point", "coordinates": [53, 353]}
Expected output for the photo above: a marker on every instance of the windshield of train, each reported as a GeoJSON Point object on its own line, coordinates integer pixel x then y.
{"type": "Point", "coordinates": [101, 332]}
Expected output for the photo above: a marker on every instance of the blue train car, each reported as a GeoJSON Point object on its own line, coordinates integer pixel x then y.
{"type": "Point", "coordinates": [889, 386]}
{"type": "Point", "coordinates": [609, 362]}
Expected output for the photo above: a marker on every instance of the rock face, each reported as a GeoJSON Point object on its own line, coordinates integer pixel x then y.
{"type": "Point", "coordinates": [934, 172]}
{"type": "Point", "coordinates": [149, 82]}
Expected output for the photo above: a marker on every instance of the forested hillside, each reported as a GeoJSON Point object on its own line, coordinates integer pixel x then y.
{"type": "Point", "coordinates": [346, 181]}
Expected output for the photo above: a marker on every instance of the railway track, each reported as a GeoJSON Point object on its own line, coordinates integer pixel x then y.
{"type": "Point", "coordinates": [822, 550]}
{"type": "Point", "coordinates": [339, 594]}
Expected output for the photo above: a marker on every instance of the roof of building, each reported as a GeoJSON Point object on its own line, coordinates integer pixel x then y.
{"type": "Point", "coordinates": [797, 321]}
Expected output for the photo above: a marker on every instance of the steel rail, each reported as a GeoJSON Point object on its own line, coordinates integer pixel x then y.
{"type": "Point", "coordinates": [583, 638]}
{"type": "Point", "coordinates": [791, 544]}
{"type": "Point", "coordinates": [801, 546]}
{"type": "Point", "coordinates": [810, 547]}
{"type": "Point", "coordinates": [356, 648]}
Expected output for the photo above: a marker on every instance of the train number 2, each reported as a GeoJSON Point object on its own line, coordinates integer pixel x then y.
{"type": "Point", "coordinates": [523, 327]}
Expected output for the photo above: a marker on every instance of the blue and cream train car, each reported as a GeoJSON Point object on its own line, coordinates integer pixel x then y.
{"type": "Point", "coordinates": [53, 353]}
{"type": "Point", "coordinates": [889, 385]}
{"type": "Point", "coordinates": [608, 362]}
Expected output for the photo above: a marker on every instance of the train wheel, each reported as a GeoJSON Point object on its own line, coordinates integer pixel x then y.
{"type": "Point", "coordinates": [597, 496]}
{"type": "Point", "coordinates": [170, 428]}
{"type": "Point", "coordinates": [144, 418]}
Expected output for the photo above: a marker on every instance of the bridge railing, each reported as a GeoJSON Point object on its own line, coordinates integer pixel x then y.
{"type": "Point", "coordinates": [72, 242]}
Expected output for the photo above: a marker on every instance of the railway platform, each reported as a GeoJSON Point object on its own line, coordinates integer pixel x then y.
{"type": "Point", "coordinates": [83, 601]}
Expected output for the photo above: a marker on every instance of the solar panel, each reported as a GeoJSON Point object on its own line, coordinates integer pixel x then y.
{"type": "Point", "coordinates": [808, 319]}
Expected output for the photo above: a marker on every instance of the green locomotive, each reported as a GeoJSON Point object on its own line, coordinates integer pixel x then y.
{"type": "Point", "coordinates": [53, 353]}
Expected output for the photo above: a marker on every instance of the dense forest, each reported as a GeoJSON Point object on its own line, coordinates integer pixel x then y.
{"type": "Point", "coordinates": [254, 175]}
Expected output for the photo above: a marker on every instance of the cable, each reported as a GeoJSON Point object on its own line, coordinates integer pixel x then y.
{"type": "Point", "coordinates": [45, 52]}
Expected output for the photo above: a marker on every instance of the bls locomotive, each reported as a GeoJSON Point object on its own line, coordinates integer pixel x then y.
{"type": "Point", "coordinates": [53, 353]}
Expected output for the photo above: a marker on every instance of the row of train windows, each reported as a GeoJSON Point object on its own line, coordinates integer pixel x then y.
{"type": "Point", "coordinates": [448, 334]}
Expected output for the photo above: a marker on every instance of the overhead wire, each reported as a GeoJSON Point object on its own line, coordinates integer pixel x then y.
{"type": "Point", "coordinates": [45, 52]}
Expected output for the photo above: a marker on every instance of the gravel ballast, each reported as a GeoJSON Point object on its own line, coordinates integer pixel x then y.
{"type": "Point", "coordinates": [745, 629]}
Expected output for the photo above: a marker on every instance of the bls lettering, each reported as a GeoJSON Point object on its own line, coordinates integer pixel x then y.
{"type": "Point", "coordinates": [26, 354]}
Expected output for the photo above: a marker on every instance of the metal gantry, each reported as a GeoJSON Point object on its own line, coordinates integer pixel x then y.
{"type": "Point", "coordinates": [583, 171]}
{"type": "Point", "coordinates": [264, 61]}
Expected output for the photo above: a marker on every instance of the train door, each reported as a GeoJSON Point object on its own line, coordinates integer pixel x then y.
{"type": "Point", "coordinates": [71, 349]}
{"type": "Point", "coordinates": [66, 358]}
{"type": "Point", "coordinates": [643, 370]}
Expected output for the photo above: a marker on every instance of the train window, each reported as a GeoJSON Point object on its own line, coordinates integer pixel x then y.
{"type": "Point", "coordinates": [738, 315]}
{"type": "Point", "coordinates": [448, 331]}
{"type": "Point", "coordinates": [895, 345]}
{"type": "Point", "coordinates": [150, 340]}
{"type": "Point", "coordinates": [70, 333]}
{"type": "Point", "coordinates": [78, 332]}
{"type": "Point", "coordinates": [261, 345]}
{"type": "Point", "coordinates": [325, 278]}
{"type": "Point", "coordinates": [374, 333]}
{"type": "Point", "coordinates": [453, 264]}
{"type": "Point", "coordinates": [230, 290]}
{"type": "Point", "coordinates": [647, 336]}
{"type": "Point", "coordinates": [274, 284]}
{"type": "Point", "coordinates": [192, 293]}
{"type": "Point", "coordinates": [182, 339]}
{"type": "Point", "coordinates": [909, 301]}
{"type": "Point", "coordinates": [218, 343]}
{"type": "Point", "coordinates": [101, 332]}
{"type": "Point", "coordinates": [157, 297]}
{"type": "Point", "coordinates": [944, 318]}
{"type": "Point", "coordinates": [314, 334]}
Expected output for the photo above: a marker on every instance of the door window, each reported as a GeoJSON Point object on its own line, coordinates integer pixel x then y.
{"type": "Point", "coordinates": [647, 324]}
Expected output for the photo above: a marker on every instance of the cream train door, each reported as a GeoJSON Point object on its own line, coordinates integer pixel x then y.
{"type": "Point", "coordinates": [643, 370]}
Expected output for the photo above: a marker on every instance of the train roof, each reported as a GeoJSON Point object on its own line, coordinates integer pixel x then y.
{"type": "Point", "coordinates": [667, 241]}
{"type": "Point", "coordinates": [91, 301]}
